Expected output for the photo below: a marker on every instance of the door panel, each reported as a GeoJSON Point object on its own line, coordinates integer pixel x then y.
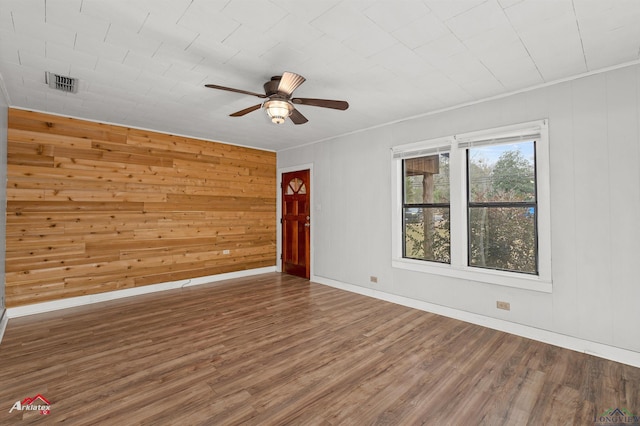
{"type": "Point", "coordinates": [296, 225]}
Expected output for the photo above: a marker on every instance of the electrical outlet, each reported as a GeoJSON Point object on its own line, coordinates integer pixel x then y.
{"type": "Point", "coordinates": [373, 279]}
{"type": "Point", "coordinates": [226, 251]}
{"type": "Point", "coordinates": [503, 305]}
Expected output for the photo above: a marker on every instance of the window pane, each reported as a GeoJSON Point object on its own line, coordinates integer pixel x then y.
{"type": "Point", "coordinates": [502, 173]}
{"type": "Point", "coordinates": [503, 238]}
{"type": "Point", "coordinates": [426, 234]}
{"type": "Point", "coordinates": [426, 179]}
{"type": "Point", "coordinates": [296, 186]}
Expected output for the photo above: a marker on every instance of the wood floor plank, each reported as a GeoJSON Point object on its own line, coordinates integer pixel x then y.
{"type": "Point", "coordinates": [276, 349]}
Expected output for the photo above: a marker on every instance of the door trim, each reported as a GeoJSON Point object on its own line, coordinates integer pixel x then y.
{"type": "Point", "coordinates": [312, 204]}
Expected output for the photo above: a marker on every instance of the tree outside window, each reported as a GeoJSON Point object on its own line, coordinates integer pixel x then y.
{"type": "Point", "coordinates": [502, 207]}
{"type": "Point", "coordinates": [475, 206]}
{"type": "Point", "coordinates": [426, 208]}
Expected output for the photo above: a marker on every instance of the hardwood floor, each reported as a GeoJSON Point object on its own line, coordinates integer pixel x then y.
{"type": "Point", "coordinates": [275, 349]}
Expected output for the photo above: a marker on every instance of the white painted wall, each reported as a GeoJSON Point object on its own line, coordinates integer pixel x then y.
{"type": "Point", "coordinates": [594, 128]}
{"type": "Point", "coordinates": [3, 195]}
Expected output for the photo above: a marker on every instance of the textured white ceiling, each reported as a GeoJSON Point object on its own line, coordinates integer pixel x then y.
{"type": "Point", "coordinates": [144, 63]}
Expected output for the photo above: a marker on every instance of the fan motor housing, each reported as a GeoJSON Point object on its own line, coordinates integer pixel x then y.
{"type": "Point", "coordinates": [271, 86]}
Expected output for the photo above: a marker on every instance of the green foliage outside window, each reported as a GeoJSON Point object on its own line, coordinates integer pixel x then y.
{"type": "Point", "coordinates": [501, 214]}
{"type": "Point", "coordinates": [502, 210]}
{"type": "Point", "coordinates": [427, 233]}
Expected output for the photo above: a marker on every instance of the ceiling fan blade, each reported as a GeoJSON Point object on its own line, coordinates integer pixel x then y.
{"type": "Point", "coordinates": [245, 111]}
{"type": "Point", "coordinates": [229, 89]}
{"type": "Point", "coordinates": [297, 118]}
{"type": "Point", "coordinates": [324, 103]}
{"type": "Point", "coordinates": [290, 82]}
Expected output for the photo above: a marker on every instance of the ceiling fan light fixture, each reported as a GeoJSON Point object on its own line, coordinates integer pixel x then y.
{"type": "Point", "coordinates": [278, 102]}
{"type": "Point", "coordinates": [278, 110]}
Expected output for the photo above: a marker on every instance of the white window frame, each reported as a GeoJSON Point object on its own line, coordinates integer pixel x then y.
{"type": "Point", "coordinates": [456, 145]}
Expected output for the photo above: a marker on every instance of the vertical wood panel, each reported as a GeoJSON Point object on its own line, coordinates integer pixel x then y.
{"type": "Point", "coordinates": [93, 207]}
{"type": "Point", "coordinates": [592, 219]}
{"type": "Point", "coordinates": [624, 199]}
{"type": "Point", "coordinates": [562, 148]}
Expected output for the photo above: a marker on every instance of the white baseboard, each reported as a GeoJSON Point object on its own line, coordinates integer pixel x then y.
{"type": "Point", "coordinates": [4, 319]}
{"type": "Point", "coordinates": [612, 353]}
{"type": "Point", "coordinates": [71, 302]}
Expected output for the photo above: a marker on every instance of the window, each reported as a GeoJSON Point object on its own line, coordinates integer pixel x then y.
{"type": "Point", "coordinates": [426, 208]}
{"type": "Point", "coordinates": [476, 206]}
{"type": "Point", "coordinates": [501, 203]}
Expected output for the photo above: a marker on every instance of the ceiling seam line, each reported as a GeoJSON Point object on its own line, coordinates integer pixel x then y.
{"type": "Point", "coordinates": [524, 46]}
{"type": "Point", "coordinates": [584, 55]}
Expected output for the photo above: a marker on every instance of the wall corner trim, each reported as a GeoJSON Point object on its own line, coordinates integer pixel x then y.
{"type": "Point", "coordinates": [612, 353]}
{"type": "Point", "coordinates": [4, 319]}
{"type": "Point", "coordinates": [37, 308]}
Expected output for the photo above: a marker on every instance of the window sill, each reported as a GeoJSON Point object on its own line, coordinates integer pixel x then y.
{"type": "Point", "coordinates": [507, 279]}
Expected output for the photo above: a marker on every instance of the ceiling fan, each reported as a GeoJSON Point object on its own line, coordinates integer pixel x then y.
{"type": "Point", "coordinates": [279, 103]}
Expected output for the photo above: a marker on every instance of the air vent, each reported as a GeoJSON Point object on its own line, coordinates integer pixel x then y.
{"type": "Point", "coordinates": [61, 82]}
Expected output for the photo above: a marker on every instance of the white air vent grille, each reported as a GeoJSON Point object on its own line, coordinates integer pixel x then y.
{"type": "Point", "coordinates": [61, 82]}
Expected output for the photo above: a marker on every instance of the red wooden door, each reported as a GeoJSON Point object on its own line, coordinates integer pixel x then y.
{"type": "Point", "coordinates": [296, 224]}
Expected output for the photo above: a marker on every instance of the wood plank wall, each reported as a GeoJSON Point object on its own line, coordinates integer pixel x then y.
{"type": "Point", "coordinates": [94, 207]}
